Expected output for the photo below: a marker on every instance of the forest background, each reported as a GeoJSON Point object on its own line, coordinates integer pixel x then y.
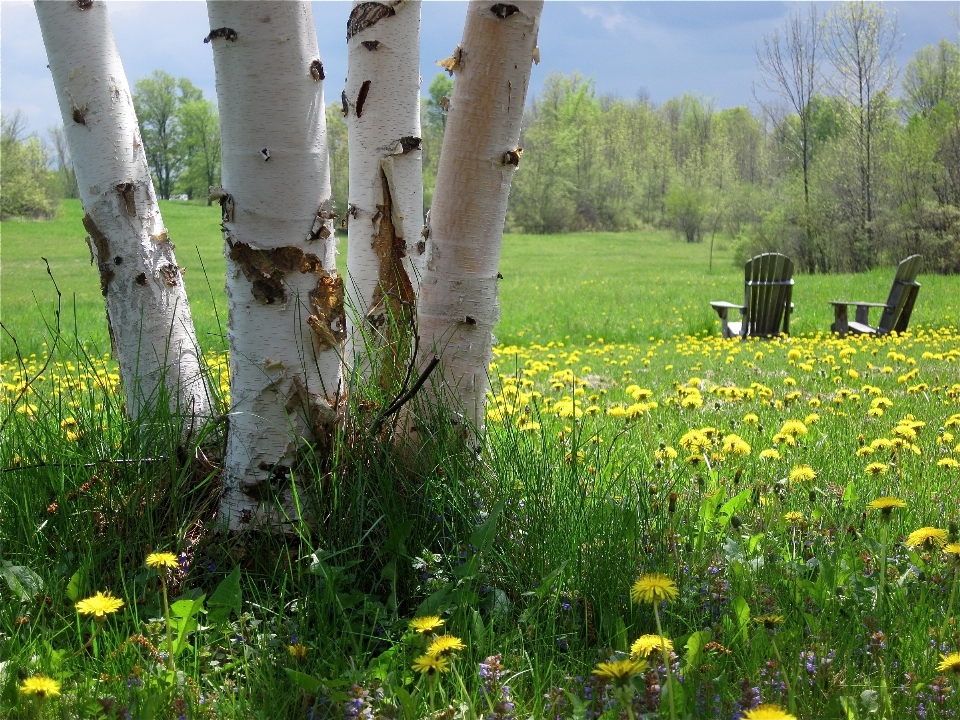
{"type": "Point", "coordinates": [856, 163]}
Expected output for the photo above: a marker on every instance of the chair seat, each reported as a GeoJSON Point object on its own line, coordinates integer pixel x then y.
{"type": "Point", "coordinates": [860, 328]}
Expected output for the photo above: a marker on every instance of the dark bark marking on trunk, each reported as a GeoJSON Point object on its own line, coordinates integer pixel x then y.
{"type": "Point", "coordinates": [127, 191]}
{"type": "Point", "coordinates": [328, 319]}
{"type": "Point", "coordinates": [371, 44]}
{"type": "Point", "coordinates": [84, 4]}
{"type": "Point", "coordinates": [362, 97]}
{"type": "Point", "coordinates": [407, 144]}
{"type": "Point", "coordinates": [346, 105]}
{"type": "Point", "coordinates": [265, 269]}
{"type": "Point", "coordinates": [79, 114]}
{"type": "Point", "coordinates": [141, 279]}
{"type": "Point", "coordinates": [512, 157]}
{"type": "Point", "coordinates": [97, 240]}
{"type": "Point", "coordinates": [170, 274]}
{"type": "Point", "coordinates": [367, 15]}
{"type": "Point", "coordinates": [453, 63]}
{"type": "Point", "coordinates": [224, 32]}
{"type": "Point", "coordinates": [393, 297]}
{"type": "Point", "coordinates": [316, 70]}
{"type": "Point", "coordinates": [503, 10]}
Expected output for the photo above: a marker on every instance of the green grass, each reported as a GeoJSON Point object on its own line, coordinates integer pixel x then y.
{"type": "Point", "coordinates": [605, 459]}
{"type": "Point", "coordinates": [622, 287]}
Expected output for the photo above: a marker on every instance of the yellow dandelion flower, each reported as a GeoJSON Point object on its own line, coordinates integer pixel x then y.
{"type": "Point", "coordinates": [646, 644]}
{"type": "Point", "coordinates": [793, 427]}
{"type": "Point", "coordinates": [100, 605]}
{"type": "Point", "coordinates": [735, 445]}
{"type": "Point", "coordinates": [751, 419]}
{"type": "Point", "coordinates": [876, 468]}
{"type": "Point", "coordinates": [886, 505]}
{"type": "Point", "coordinates": [950, 663]}
{"type": "Point", "coordinates": [952, 551]}
{"type": "Point", "coordinates": [927, 537]}
{"type": "Point", "coordinates": [297, 651]}
{"type": "Point", "coordinates": [426, 624]}
{"type": "Point", "coordinates": [768, 712]}
{"type": "Point", "coordinates": [620, 671]}
{"type": "Point", "coordinates": [948, 463]}
{"type": "Point", "coordinates": [41, 686]}
{"type": "Point", "coordinates": [445, 645]}
{"type": "Point", "coordinates": [770, 454]}
{"type": "Point", "coordinates": [865, 450]}
{"type": "Point", "coordinates": [654, 588]}
{"type": "Point", "coordinates": [770, 622]}
{"type": "Point", "coordinates": [431, 664]}
{"type": "Point", "coordinates": [162, 560]}
{"type": "Point", "coordinates": [795, 518]}
{"type": "Point", "coordinates": [802, 473]}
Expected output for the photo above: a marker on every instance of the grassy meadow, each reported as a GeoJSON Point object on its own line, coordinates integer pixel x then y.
{"type": "Point", "coordinates": [662, 523]}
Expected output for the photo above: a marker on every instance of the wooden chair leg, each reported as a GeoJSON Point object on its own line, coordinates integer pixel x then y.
{"type": "Point", "coordinates": [841, 322]}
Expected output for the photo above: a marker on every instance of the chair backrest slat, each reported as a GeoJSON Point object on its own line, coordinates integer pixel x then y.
{"type": "Point", "coordinates": [903, 296]}
{"type": "Point", "coordinates": [767, 292]}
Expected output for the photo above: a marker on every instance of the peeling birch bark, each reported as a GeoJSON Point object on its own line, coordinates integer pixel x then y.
{"type": "Point", "coordinates": [382, 107]}
{"type": "Point", "coordinates": [457, 306]}
{"type": "Point", "coordinates": [287, 324]}
{"type": "Point", "coordinates": [147, 310]}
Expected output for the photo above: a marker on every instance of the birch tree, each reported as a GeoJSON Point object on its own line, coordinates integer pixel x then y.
{"type": "Point", "coordinates": [147, 310]}
{"type": "Point", "coordinates": [458, 306]}
{"type": "Point", "coordinates": [285, 299]}
{"type": "Point", "coordinates": [381, 103]}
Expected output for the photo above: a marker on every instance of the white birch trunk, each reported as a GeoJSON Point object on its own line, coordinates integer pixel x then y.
{"type": "Point", "coordinates": [285, 300]}
{"type": "Point", "coordinates": [458, 307]}
{"type": "Point", "coordinates": [149, 318]}
{"type": "Point", "coordinates": [382, 107]}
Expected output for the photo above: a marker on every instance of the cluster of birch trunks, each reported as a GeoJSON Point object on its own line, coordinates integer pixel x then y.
{"type": "Point", "coordinates": [299, 333]}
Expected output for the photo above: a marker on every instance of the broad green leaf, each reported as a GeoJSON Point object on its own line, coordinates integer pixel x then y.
{"type": "Point", "coordinates": [694, 647]}
{"type": "Point", "coordinates": [225, 599]}
{"type": "Point", "coordinates": [73, 587]}
{"type": "Point", "coordinates": [407, 703]}
{"type": "Point", "coordinates": [305, 682]}
{"type": "Point", "coordinates": [22, 581]}
{"type": "Point", "coordinates": [849, 496]}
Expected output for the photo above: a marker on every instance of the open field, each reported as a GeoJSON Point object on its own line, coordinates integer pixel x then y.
{"type": "Point", "coordinates": [800, 496]}
{"type": "Point", "coordinates": [622, 287]}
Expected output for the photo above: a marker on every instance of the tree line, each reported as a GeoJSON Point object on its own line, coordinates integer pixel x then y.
{"type": "Point", "coordinates": [834, 170]}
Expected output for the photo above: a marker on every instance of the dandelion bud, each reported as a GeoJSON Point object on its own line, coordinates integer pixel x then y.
{"type": "Point", "coordinates": [737, 476]}
{"type": "Point", "coordinates": [735, 522]}
{"type": "Point", "coordinates": [672, 506]}
{"type": "Point", "coordinates": [812, 495]}
{"type": "Point", "coordinates": [861, 440]}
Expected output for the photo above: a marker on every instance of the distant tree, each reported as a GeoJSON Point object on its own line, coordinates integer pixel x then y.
{"type": "Point", "coordinates": [27, 187]}
{"type": "Point", "coordinates": [198, 146]}
{"type": "Point", "coordinates": [339, 156]}
{"type": "Point", "coordinates": [686, 208]}
{"type": "Point", "coordinates": [155, 100]}
{"type": "Point", "coordinates": [65, 171]}
{"type": "Point", "coordinates": [789, 69]}
{"type": "Point", "coordinates": [432, 126]}
{"type": "Point", "coordinates": [862, 45]}
{"type": "Point", "coordinates": [932, 76]}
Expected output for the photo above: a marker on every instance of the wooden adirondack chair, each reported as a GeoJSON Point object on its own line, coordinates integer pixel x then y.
{"type": "Point", "coordinates": [768, 287]}
{"type": "Point", "coordinates": [896, 310]}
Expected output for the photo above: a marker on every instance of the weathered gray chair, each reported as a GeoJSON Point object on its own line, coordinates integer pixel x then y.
{"type": "Point", "coordinates": [768, 287]}
{"type": "Point", "coordinates": [896, 310]}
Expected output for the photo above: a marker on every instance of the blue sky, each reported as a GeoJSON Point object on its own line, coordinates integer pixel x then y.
{"type": "Point", "coordinates": [662, 48]}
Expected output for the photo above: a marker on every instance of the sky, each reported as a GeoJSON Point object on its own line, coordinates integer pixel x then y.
{"type": "Point", "coordinates": [661, 49]}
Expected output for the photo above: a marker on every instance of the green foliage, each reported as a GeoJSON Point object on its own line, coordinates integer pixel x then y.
{"type": "Point", "coordinates": [181, 134]}
{"type": "Point", "coordinates": [28, 189]}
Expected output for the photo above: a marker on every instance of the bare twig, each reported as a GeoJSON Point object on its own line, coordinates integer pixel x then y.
{"type": "Point", "coordinates": [403, 399]}
{"type": "Point", "coordinates": [119, 461]}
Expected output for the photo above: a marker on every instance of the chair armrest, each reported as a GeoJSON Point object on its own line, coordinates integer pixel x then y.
{"type": "Point", "coordinates": [727, 306]}
{"type": "Point", "coordinates": [857, 303]}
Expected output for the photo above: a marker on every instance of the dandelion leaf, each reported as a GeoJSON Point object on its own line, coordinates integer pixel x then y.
{"type": "Point", "coordinates": [307, 683]}
{"type": "Point", "coordinates": [225, 599]}
{"type": "Point", "coordinates": [22, 581]}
